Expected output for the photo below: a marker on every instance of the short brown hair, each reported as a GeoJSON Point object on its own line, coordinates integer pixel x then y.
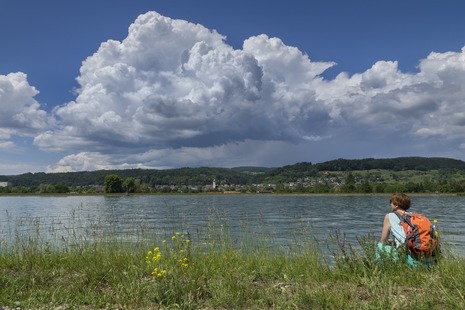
{"type": "Point", "coordinates": [401, 200]}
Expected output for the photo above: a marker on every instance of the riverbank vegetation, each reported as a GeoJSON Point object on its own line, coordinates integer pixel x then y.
{"type": "Point", "coordinates": [406, 174]}
{"type": "Point", "coordinates": [215, 271]}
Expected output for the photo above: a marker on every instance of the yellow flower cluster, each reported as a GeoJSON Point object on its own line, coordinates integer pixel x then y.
{"type": "Point", "coordinates": [153, 256]}
{"type": "Point", "coordinates": [176, 254]}
{"type": "Point", "coordinates": [158, 273]}
{"type": "Point", "coordinates": [184, 262]}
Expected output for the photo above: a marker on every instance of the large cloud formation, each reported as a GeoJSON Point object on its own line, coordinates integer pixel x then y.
{"type": "Point", "coordinates": [174, 84]}
{"type": "Point", "coordinates": [21, 114]}
{"type": "Point", "coordinates": [174, 93]}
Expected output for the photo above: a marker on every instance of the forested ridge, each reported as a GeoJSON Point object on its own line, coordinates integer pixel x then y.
{"type": "Point", "coordinates": [187, 176]}
{"type": "Point", "coordinates": [396, 164]}
{"type": "Point", "coordinates": [238, 175]}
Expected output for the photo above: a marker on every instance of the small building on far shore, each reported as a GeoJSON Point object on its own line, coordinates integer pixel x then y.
{"type": "Point", "coordinates": [4, 184]}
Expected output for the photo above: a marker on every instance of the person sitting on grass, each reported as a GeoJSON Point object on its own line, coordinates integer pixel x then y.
{"type": "Point", "coordinates": [392, 225]}
{"type": "Point", "coordinates": [400, 203]}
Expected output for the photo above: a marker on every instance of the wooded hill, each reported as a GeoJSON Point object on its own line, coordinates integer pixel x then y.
{"type": "Point", "coordinates": [245, 175]}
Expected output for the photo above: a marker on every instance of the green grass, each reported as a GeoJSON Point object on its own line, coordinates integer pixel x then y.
{"type": "Point", "coordinates": [215, 272]}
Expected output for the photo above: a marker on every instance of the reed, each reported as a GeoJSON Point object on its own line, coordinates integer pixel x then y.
{"type": "Point", "coordinates": [211, 269]}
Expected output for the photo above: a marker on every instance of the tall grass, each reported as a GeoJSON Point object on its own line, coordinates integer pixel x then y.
{"type": "Point", "coordinates": [212, 270]}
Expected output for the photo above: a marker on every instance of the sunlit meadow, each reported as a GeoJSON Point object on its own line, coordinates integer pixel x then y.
{"type": "Point", "coordinates": [49, 268]}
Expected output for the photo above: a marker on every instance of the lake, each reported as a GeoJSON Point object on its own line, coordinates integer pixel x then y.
{"type": "Point", "coordinates": [280, 218]}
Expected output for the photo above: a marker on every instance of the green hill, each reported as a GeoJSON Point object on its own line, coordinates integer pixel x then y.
{"type": "Point", "coordinates": [412, 173]}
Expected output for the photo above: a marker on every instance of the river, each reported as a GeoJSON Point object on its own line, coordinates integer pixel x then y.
{"type": "Point", "coordinates": [280, 218]}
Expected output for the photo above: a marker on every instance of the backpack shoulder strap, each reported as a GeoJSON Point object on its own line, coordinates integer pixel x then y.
{"type": "Point", "coordinates": [404, 218]}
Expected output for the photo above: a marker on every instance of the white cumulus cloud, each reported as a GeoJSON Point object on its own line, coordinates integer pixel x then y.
{"type": "Point", "coordinates": [21, 114]}
{"type": "Point", "coordinates": [174, 93]}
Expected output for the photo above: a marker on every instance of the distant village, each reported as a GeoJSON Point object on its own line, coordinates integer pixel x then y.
{"type": "Point", "coordinates": [331, 182]}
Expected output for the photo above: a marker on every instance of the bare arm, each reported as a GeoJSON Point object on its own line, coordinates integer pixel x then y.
{"type": "Point", "coordinates": [386, 230]}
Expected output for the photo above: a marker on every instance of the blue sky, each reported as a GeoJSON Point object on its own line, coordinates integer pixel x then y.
{"type": "Point", "coordinates": [106, 84]}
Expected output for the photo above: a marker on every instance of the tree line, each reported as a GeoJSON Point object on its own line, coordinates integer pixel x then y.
{"type": "Point", "coordinates": [341, 175]}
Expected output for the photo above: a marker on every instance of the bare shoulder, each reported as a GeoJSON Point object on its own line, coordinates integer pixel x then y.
{"type": "Point", "coordinates": [386, 218]}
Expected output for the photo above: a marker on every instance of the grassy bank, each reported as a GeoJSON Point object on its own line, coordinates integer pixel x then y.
{"type": "Point", "coordinates": [217, 273]}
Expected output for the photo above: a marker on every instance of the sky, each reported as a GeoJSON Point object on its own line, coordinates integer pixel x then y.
{"type": "Point", "coordinates": [119, 84]}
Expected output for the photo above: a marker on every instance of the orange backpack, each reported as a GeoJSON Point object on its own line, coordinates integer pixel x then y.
{"type": "Point", "coordinates": [421, 239]}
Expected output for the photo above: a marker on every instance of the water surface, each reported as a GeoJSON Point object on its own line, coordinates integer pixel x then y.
{"type": "Point", "coordinates": [280, 218]}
